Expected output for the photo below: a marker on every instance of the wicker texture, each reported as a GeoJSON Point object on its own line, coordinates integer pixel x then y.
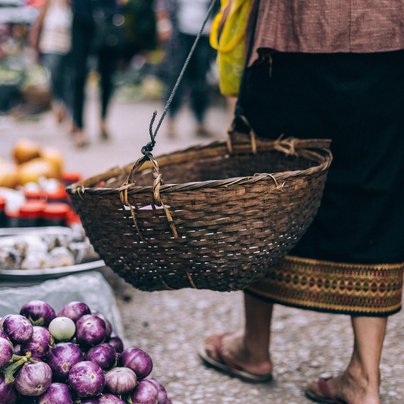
{"type": "Point", "coordinates": [219, 223]}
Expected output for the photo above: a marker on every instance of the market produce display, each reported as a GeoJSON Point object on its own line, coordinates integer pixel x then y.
{"type": "Point", "coordinates": [71, 357]}
{"type": "Point", "coordinates": [52, 249]}
{"type": "Point", "coordinates": [31, 163]}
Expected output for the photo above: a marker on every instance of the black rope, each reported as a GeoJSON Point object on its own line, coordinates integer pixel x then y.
{"type": "Point", "coordinates": [148, 148]}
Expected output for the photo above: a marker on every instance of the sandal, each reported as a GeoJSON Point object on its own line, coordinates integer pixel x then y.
{"type": "Point", "coordinates": [227, 367]}
{"type": "Point", "coordinates": [325, 396]}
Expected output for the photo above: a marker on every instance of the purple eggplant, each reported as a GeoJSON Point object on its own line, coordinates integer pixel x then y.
{"type": "Point", "coordinates": [39, 343]}
{"type": "Point", "coordinates": [110, 399]}
{"type": "Point", "coordinates": [57, 393]}
{"type": "Point", "coordinates": [91, 330]}
{"type": "Point", "coordinates": [6, 351]}
{"type": "Point", "coordinates": [108, 326]}
{"type": "Point", "coordinates": [137, 360]}
{"type": "Point", "coordinates": [120, 380]}
{"type": "Point", "coordinates": [2, 319]}
{"type": "Point", "coordinates": [4, 335]}
{"type": "Point", "coordinates": [145, 393]}
{"type": "Point", "coordinates": [62, 357]}
{"type": "Point", "coordinates": [86, 379]}
{"type": "Point", "coordinates": [74, 310]}
{"type": "Point", "coordinates": [162, 393]}
{"type": "Point", "coordinates": [8, 395]}
{"type": "Point", "coordinates": [33, 379]}
{"type": "Point", "coordinates": [103, 399]}
{"type": "Point", "coordinates": [18, 328]}
{"type": "Point", "coordinates": [103, 354]}
{"type": "Point", "coordinates": [38, 312]}
{"type": "Point", "coordinates": [116, 342]}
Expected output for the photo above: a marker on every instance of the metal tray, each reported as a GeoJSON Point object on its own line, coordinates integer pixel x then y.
{"type": "Point", "coordinates": [49, 273]}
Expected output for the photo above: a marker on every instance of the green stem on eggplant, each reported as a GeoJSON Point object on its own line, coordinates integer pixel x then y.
{"type": "Point", "coordinates": [11, 369]}
{"type": "Point", "coordinates": [128, 399]}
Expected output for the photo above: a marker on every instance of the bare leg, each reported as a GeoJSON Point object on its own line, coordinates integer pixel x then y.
{"type": "Point", "coordinates": [104, 133]}
{"type": "Point", "coordinates": [360, 382]}
{"type": "Point", "coordinates": [248, 348]}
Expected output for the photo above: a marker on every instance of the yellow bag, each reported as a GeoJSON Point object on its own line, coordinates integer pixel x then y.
{"type": "Point", "coordinates": [228, 39]}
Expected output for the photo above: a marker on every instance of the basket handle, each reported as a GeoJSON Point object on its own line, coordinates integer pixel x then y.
{"type": "Point", "coordinates": [235, 137]}
{"type": "Point", "coordinates": [157, 183]}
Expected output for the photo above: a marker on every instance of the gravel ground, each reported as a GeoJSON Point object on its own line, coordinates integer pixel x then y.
{"type": "Point", "coordinates": [172, 325]}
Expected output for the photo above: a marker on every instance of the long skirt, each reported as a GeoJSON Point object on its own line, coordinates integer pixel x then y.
{"type": "Point", "coordinates": [351, 260]}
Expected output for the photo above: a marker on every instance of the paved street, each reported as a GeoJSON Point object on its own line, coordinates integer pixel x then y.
{"type": "Point", "coordinates": [129, 126]}
{"type": "Point", "coordinates": [171, 325]}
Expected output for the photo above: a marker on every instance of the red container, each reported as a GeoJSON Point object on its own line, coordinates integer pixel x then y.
{"type": "Point", "coordinates": [34, 195]}
{"type": "Point", "coordinates": [70, 177]}
{"type": "Point", "coordinates": [30, 214]}
{"type": "Point", "coordinates": [3, 220]}
{"type": "Point", "coordinates": [58, 196]}
{"type": "Point", "coordinates": [55, 214]}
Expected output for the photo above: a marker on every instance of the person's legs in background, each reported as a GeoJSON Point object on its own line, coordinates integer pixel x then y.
{"type": "Point", "coordinates": [53, 63]}
{"type": "Point", "coordinates": [176, 54]}
{"type": "Point", "coordinates": [106, 69]}
{"type": "Point", "coordinates": [81, 45]}
{"type": "Point", "coordinates": [198, 70]}
{"type": "Point", "coordinates": [173, 110]}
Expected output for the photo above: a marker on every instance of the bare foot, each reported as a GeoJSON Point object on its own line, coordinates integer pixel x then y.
{"type": "Point", "coordinates": [104, 133]}
{"type": "Point", "coordinates": [234, 351]}
{"type": "Point", "coordinates": [72, 128]}
{"type": "Point", "coordinates": [343, 389]}
{"type": "Point", "coordinates": [80, 139]}
{"type": "Point", "coordinates": [59, 111]}
{"type": "Point", "coordinates": [202, 131]}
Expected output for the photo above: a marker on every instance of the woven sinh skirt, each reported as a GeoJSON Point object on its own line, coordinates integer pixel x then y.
{"type": "Point", "coordinates": [351, 260]}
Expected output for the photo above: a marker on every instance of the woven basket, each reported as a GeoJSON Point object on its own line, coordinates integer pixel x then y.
{"type": "Point", "coordinates": [225, 214]}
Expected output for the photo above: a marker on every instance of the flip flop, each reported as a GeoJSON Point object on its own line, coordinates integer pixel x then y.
{"type": "Point", "coordinates": [324, 397]}
{"type": "Point", "coordinates": [227, 367]}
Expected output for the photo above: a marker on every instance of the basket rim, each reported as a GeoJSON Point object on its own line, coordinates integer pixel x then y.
{"type": "Point", "coordinates": [316, 150]}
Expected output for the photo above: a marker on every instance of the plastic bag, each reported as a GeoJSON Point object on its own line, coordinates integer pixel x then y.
{"type": "Point", "coordinates": [227, 36]}
{"type": "Point", "coordinates": [90, 288]}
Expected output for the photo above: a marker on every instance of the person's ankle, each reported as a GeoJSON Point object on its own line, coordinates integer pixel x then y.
{"type": "Point", "coordinates": [364, 384]}
{"type": "Point", "coordinates": [259, 357]}
{"type": "Point", "coordinates": [356, 372]}
{"type": "Point", "coordinates": [104, 133]}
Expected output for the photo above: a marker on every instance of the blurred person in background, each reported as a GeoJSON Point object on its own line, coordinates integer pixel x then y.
{"type": "Point", "coordinates": [178, 24]}
{"type": "Point", "coordinates": [94, 32]}
{"type": "Point", "coordinates": [51, 39]}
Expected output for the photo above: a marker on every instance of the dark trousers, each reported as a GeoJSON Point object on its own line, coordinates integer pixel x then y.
{"type": "Point", "coordinates": [195, 80]}
{"type": "Point", "coordinates": [82, 41]}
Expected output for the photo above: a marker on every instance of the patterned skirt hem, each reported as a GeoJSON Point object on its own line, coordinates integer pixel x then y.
{"type": "Point", "coordinates": [343, 288]}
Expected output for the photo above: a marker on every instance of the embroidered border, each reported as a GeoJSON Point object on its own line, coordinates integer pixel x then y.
{"type": "Point", "coordinates": [334, 287]}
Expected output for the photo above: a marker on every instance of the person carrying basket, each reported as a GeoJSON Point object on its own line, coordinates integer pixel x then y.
{"type": "Point", "coordinates": [329, 69]}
